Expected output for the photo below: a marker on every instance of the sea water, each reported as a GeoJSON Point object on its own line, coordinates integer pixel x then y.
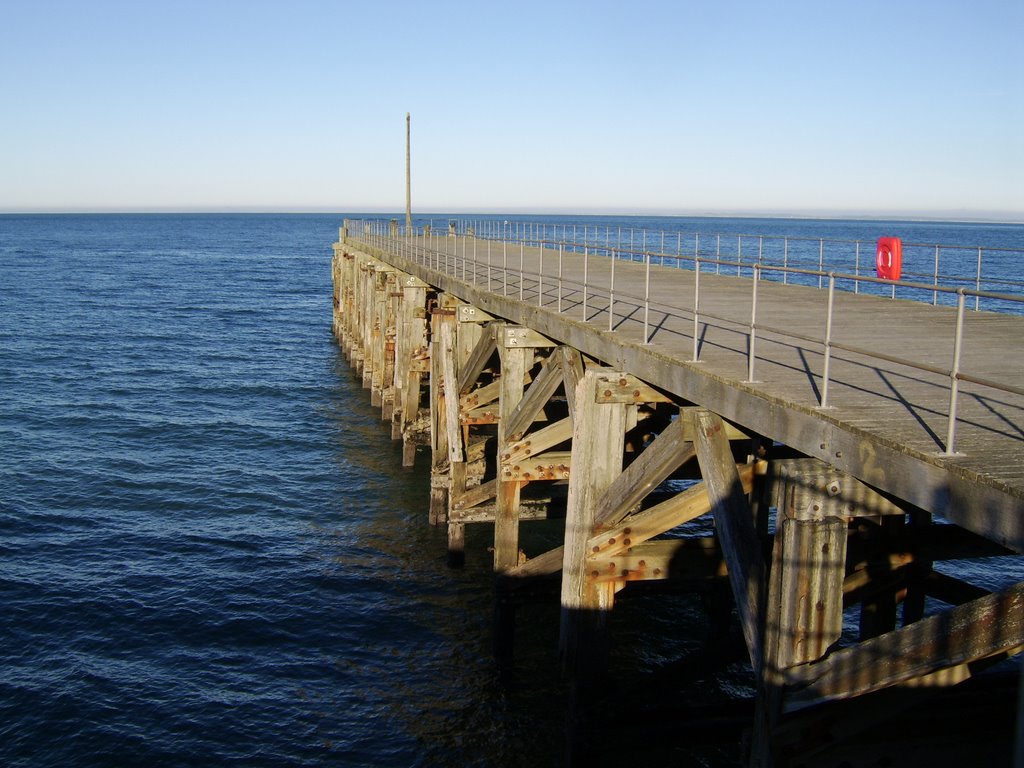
{"type": "Point", "coordinates": [209, 552]}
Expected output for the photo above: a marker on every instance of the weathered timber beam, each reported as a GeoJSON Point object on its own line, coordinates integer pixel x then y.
{"type": "Point", "coordinates": [522, 337]}
{"type": "Point", "coordinates": [815, 489]}
{"type": "Point", "coordinates": [660, 459]}
{"type": "Point", "coordinates": [985, 627]}
{"type": "Point", "coordinates": [626, 388]}
{"type": "Point", "coordinates": [540, 391]}
{"type": "Point", "coordinates": [481, 396]}
{"type": "Point", "coordinates": [734, 526]}
{"type": "Point", "coordinates": [539, 441]}
{"type": "Point", "coordinates": [515, 361]}
{"type": "Point", "coordinates": [485, 347]}
{"type": "Point", "coordinates": [487, 414]}
{"type": "Point", "coordinates": [805, 601]}
{"type": "Point", "coordinates": [598, 439]}
{"type": "Point", "coordinates": [642, 526]}
{"type": "Point", "coordinates": [661, 559]}
{"type": "Point", "coordinates": [572, 372]}
{"type": "Point", "coordinates": [488, 513]}
{"type": "Point", "coordinates": [470, 314]}
{"type": "Point", "coordinates": [553, 465]}
{"type": "Point", "coordinates": [542, 565]}
{"type": "Point", "coordinates": [478, 494]}
{"type": "Point", "coordinates": [485, 395]}
{"type": "Point", "coordinates": [449, 392]}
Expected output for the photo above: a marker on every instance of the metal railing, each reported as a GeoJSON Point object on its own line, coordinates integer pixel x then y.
{"type": "Point", "coordinates": [981, 268]}
{"type": "Point", "coordinates": [481, 259]}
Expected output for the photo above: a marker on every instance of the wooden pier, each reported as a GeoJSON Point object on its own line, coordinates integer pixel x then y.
{"type": "Point", "coordinates": [843, 444]}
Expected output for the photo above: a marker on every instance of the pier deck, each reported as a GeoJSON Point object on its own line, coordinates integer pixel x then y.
{"type": "Point", "coordinates": [886, 422]}
{"type": "Point", "coordinates": [845, 442]}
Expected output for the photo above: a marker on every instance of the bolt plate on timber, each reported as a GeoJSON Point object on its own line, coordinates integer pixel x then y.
{"type": "Point", "coordinates": [551, 466]}
{"type": "Point", "coordinates": [468, 314]}
{"type": "Point", "coordinates": [626, 388]}
{"type": "Point", "coordinates": [524, 337]}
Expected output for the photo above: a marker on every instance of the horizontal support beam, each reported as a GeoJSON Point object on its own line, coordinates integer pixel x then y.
{"type": "Point", "coordinates": [662, 559]}
{"type": "Point", "coordinates": [553, 465]}
{"type": "Point", "coordinates": [488, 513]}
{"type": "Point", "coordinates": [673, 512]}
{"type": "Point", "coordinates": [626, 388]}
{"type": "Point", "coordinates": [539, 441]}
{"type": "Point", "coordinates": [977, 630]}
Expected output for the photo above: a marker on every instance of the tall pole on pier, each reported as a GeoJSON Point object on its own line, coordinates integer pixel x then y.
{"type": "Point", "coordinates": [408, 177]}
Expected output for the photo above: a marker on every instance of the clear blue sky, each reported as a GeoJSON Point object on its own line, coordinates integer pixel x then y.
{"type": "Point", "coordinates": [674, 107]}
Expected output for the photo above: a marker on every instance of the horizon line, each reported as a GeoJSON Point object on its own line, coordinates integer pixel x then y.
{"type": "Point", "coordinates": [965, 215]}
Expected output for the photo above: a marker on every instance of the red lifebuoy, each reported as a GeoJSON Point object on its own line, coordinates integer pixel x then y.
{"type": "Point", "coordinates": [889, 258]}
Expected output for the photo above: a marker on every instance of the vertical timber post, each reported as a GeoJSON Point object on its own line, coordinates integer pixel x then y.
{"type": "Point", "coordinates": [440, 468]}
{"type": "Point", "coordinates": [390, 320]}
{"type": "Point", "coordinates": [449, 425]}
{"type": "Point", "coordinates": [412, 363]}
{"type": "Point", "coordinates": [598, 436]}
{"type": "Point", "coordinates": [515, 361]}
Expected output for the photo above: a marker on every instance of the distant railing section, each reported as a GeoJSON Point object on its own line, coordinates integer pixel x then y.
{"type": "Point", "coordinates": [980, 268]}
{"type": "Point", "coordinates": [452, 250]}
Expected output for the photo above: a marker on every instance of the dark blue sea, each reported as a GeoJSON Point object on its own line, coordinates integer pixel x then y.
{"type": "Point", "coordinates": [209, 552]}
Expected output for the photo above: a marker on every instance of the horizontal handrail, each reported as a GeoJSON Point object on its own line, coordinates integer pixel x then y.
{"type": "Point", "coordinates": [449, 261]}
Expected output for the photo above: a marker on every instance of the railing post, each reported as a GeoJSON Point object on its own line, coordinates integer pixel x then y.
{"type": "Point", "coordinates": [696, 310]}
{"type": "Point", "coordinates": [522, 268]}
{"type": "Point", "coordinates": [504, 267]}
{"type": "Point", "coordinates": [611, 296]}
{"type": "Point", "coordinates": [586, 259]}
{"type": "Point", "coordinates": [751, 354]}
{"type": "Point", "coordinates": [954, 374]}
{"type": "Point", "coordinates": [935, 278]}
{"type": "Point", "coordinates": [561, 249]}
{"type": "Point", "coordinates": [856, 268]}
{"type": "Point", "coordinates": [821, 260]}
{"type": "Point", "coordinates": [826, 368]}
{"type": "Point", "coordinates": [647, 298]}
{"type": "Point", "coordinates": [785, 260]}
{"type": "Point", "coordinates": [540, 272]}
{"type": "Point", "coordinates": [977, 282]}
